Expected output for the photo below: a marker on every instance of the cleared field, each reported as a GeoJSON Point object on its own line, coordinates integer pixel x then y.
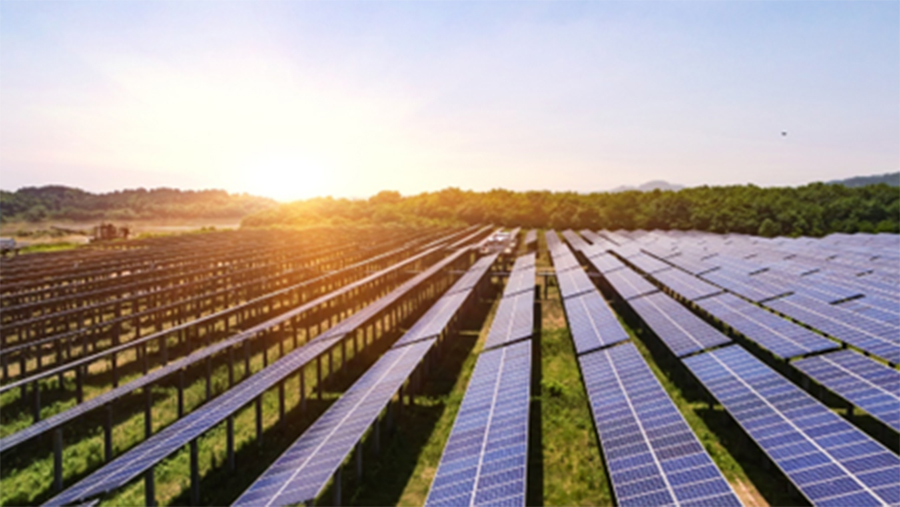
{"type": "Point", "coordinates": [181, 369]}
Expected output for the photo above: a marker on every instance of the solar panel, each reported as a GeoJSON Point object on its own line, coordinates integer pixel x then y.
{"type": "Point", "coordinates": [301, 473]}
{"type": "Point", "coordinates": [592, 322]}
{"type": "Point", "coordinates": [869, 335]}
{"type": "Point", "coordinates": [521, 278]}
{"type": "Point", "coordinates": [867, 384]}
{"type": "Point", "coordinates": [574, 282]}
{"type": "Point", "coordinates": [692, 263]}
{"type": "Point", "coordinates": [605, 262]}
{"type": "Point", "coordinates": [829, 460]}
{"type": "Point", "coordinates": [577, 242]}
{"type": "Point", "coordinates": [688, 286]}
{"type": "Point", "coordinates": [780, 336]}
{"type": "Point", "coordinates": [881, 310]}
{"type": "Point", "coordinates": [474, 274]}
{"type": "Point", "coordinates": [652, 455]}
{"type": "Point", "coordinates": [648, 264]}
{"type": "Point", "coordinates": [513, 321]}
{"type": "Point", "coordinates": [486, 457]}
{"type": "Point", "coordinates": [680, 330]}
{"type": "Point", "coordinates": [745, 285]}
{"type": "Point", "coordinates": [530, 237]}
{"type": "Point", "coordinates": [628, 284]}
{"type": "Point", "coordinates": [822, 290]}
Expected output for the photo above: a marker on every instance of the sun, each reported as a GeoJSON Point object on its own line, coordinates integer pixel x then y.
{"type": "Point", "coordinates": [285, 177]}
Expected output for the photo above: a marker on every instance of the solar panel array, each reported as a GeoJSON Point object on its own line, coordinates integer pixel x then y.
{"type": "Point", "coordinates": [132, 463]}
{"type": "Point", "coordinates": [863, 382]}
{"type": "Point", "coordinates": [680, 330]}
{"type": "Point", "coordinates": [577, 242]}
{"type": "Point", "coordinates": [827, 458]}
{"type": "Point", "coordinates": [514, 319]}
{"type": "Point", "coordinates": [303, 471]}
{"type": "Point", "coordinates": [486, 457]}
{"type": "Point", "coordinates": [780, 336]}
{"type": "Point", "coordinates": [648, 264]}
{"type": "Point", "coordinates": [745, 285]}
{"type": "Point", "coordinates": [870, 335]}
{"type": "Point", "coordinates": [652, 455]}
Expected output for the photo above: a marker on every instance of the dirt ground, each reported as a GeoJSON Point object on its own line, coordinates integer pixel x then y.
{"type": "Point", "coordinates": [54, 231]}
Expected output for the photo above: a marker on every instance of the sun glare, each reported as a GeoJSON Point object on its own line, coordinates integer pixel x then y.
{"type": "Point", "coordinates": [285, 177]}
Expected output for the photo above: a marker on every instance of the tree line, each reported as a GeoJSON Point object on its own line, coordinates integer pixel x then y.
{"type": "Point", "coordinates": [811, 210]}
{"type": "Point", "coordinates": [55, 202]}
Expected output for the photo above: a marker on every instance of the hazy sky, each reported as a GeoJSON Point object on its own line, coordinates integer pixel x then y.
{"type": "Point", "coordinates": [292, 100]}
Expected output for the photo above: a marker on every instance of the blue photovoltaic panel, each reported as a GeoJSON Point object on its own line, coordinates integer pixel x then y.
{"type": "Point", "coordinates": [778, 335]}
{"type": "Point", "coordinates": [513, 321]}
{"type": "Point", "coordinates": [605, 262]}
{"type": "Point", "coordinates": [474, 274]}
{"type": "Point", "coordinates": [564, 260]}
{"type": "Point", "coordinates": [692, 263]}
{"type": "Point", "coordinates": [648, 264]}
{"type": "Point", "coordinates": [828, 292]}
{"type": "Point", "coordinates": [874, 308]}
{"type": "Point", "coordinates": [870, 335]}
{"type": "Point", "coordinates": [863, 382]}
{"type": "Point", "coordinates": [682, 331]}
{"type": "Point", "coordinates": [628, 284]}
{"type": "Point", "coordinates": [687, 285]}
{"type": "Point", "coordinates": [530, 237]}
{"type": "Point", "coordinates": [745, 285]}
{"type": "Point", "coordinates": [574, 282]}
{"type": "Point", "coordinates": [652, 455]}
{"type": "Point", "coordinates": [301, 473]}
{"type": "Point", "coordinates": [577, 242]}
{"type": "Point", "coordinates": [521, 278]}
{"type": "Point", "coordinates": [592, 322]}
{"type": "Point", "coordinates": [486, 457]}
{"type": "Point", "coordinates": [829, 460]}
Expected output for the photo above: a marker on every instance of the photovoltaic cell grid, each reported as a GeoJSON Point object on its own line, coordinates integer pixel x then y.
{"type": "Point", "coordinates": [577, 242]}
{"type": "Point", "coordinates": [648, 264]}
{"type": "Point", "coordinates": [606, 262]}
{"type": "Point", "coordinates": [682, 332]}
{"type": "Point", "coordinates": [474, 274]}
{"type": "Point", "coordinates": [881, 310]}
{"type": "Point", "coordinates": [301, 473]}
{"type": "Point", "coordinates": [513, 321]}
{"type": "Point", "coordinates": [438, 317]}
{"type": "Point", "coordinates": [592, 322]}
{"type": "Point", "coordinates": [574, 282]}
{"type": "Point", "coordinates": [652, 455]}
{"type": "Point", "coordinates": [869, 335]}
{"type": "Point", "coordinates": [564, 260]}
{"type": "Point", "coordinates": [628, 284]}
{"type": "Point", "coordinates": [521, 278]}
{"type": "Point", "coordinates": [688, 286]}
{"type": "Point", "coordinates": [867, 384]}
{"type": "Point", "coordinates": [828, 459]}
{"type": "Point", "coordinates": [822, 290]}
{"type": "Point", "coordinates": [780, 336]}
{"type": "Point", "coordinates": [745, 285]}
{"type": "Point", "coordinates": [530, 237]}
{"type": "Point", "coordinates": [132, 463]}
{"type": "Point", "coordinates": [485, 459]}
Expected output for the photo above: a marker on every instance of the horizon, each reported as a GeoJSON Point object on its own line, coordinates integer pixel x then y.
{"type": "Point", "coordinates": [294, 101]}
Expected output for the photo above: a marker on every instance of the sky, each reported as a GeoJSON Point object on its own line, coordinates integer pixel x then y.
{"type": "Point", "coordinates": [292, 100]}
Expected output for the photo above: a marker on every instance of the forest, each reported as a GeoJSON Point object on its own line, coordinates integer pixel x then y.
{"type": "Point", "coordinates": [33, 204]}
{"type": "Point", "coordinates": [811, 210]}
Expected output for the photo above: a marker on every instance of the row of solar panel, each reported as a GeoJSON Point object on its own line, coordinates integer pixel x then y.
{"type": "Point", "coordinates": [485, 459]}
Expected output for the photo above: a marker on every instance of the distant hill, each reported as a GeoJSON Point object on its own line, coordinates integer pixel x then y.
{"type": "Point", "coordinates": [649, 186]}
{"type": "Point", "coordinates": [56, 202]}
{"type": "Point", "coordinates": [892, 179]}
